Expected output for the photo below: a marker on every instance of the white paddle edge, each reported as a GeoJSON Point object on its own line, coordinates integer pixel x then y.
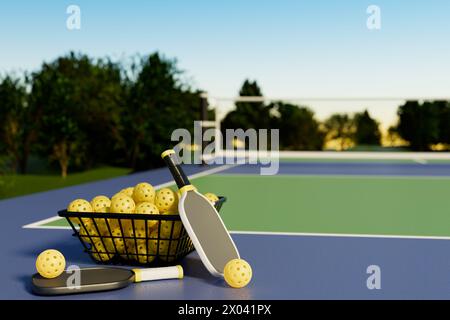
{"type": "Point", "coordinates": [194, 238]}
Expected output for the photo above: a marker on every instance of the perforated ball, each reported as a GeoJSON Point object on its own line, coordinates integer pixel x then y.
{"type": "Point", "coordinates": [147, 208]}
{"type": "Point", "coordinates": [161, 247]}
{"type": "Point", "coordinates": [100, 204]}
{"type": "Point", "coordinates": [50, 263]}
{"type": "Point", "coordinates": [167, 201]}
{"type": "Point", "coordinates": [237, 273]}
{"type": "Point", "coordinates": [170, 229]}
{"type": "Point", "coordinates": [116, 242]}
{"type": "Point", "coordinates": [143, 256]}
{"type": "Point", "coordinates": [211, 197]}
{"type": "Point", "coordinates": [99, 252]}
{"type": "Point", "coordinates": [144, 192]}
{"type": "Point", "coordinates": [88, 233]}
{"type": "Point", "coordinates": [128, 191]}
{"type": "Point", "coordinates": [80, 205]}
{"type": "Point", "coordinates": [122, 204]}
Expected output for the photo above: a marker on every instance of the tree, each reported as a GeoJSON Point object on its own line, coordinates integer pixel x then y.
{"type": "Point", "coordinates": [81, 103]}
{"type": "Point", "coordinates": [419, 124]}
{"type": "Point", "coordinates": [367, 130]}
{"type": "Point", "coordinates": [340, 127]}
{"type": "Point", "coordinates": [248, 114]}
{"type": "Point", "coordinates": [299, 130]}
{"type": "Point", "coordinates": [443, 114]}
{"type": "Point", "coordinates": [158, 103]}
{"type": "Point", "coordinates": [18, 122]}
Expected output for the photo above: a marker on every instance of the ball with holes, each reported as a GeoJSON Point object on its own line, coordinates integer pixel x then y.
{"type": "Point", "coordinates": [100, 253]}
{"type": "Point", "coordinates": [88, 233]}
{"type": "Point", "coordinates": [144, 192]}
{"type": "Point", "coordinates": [122, 204]}
{"type": "Point", "coordinates": [135, 238]}
{"type": "Point", "coordinates": [147, 208]}
{"type": "Point", "coordinates": [80, 205]}
{"type": "Point", "coordinates": [143, 255]}
{"type": "Point", "coordinates": [160, 248]}
{"type": "Point", "coordinates": [50, 263]}
{"type": "Point", "coordinates": [170, 229]}
{"type": "Point", "coordinates": [100, 204]}
{"type": "Point", "coordinates": [116, 242]}
{"type": "Point", "coordinates": [167, 201]}
{"type": "Point", "coordinates": [237, 273]}
{"type": "Point", "coordinates": [211, 197]}
{"type": "Point", "coordinates": [128, 191]}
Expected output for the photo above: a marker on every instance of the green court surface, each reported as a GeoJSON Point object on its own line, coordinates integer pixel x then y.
{"type": "Point", "coordinates": [404, 206]}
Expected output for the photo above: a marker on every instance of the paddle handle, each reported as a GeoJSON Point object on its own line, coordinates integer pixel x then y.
{"type": "Point", "coordinates": [149, 274]}
{"type": "Point", "coordinates": [178, 174]}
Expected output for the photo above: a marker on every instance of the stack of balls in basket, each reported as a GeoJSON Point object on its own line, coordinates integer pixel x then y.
{"type": "Point", "coordinates": [140, 199]}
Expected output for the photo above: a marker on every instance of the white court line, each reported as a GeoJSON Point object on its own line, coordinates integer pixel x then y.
{"type": "Point", "coordinates": [336, 176]}
{"type": "Point", "coordinates": [420, 161]}
{"type": "Point", "coordinates": [292, 234]}
{"type": "Point", "coordinates": [39, 224]}
{"type": "Point", "coordinates": [340, 235]}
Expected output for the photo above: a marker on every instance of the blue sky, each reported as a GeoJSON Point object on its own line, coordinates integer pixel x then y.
{"type": "Point", "coordinates": [292, 48]}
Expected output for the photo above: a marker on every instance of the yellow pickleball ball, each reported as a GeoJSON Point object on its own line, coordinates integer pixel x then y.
{"type": "Point", "coordinates": [100, 253]}
{"type": "Point", "coordinates": [122, 204]}
{"type": "Point", "coordinates": [147, 208]}
{"type": "Point", "coordinates": [161, 247]}
{"type": "Point", "coordinates": [211, 197]}
{"type": "Point", "coordinates": [143, 254]}
{"type": "Point", "coordinates": [100, 204]}
{"type": "Point", "coordinates": [88, 233]}
{"type": "Point", "coordinates": [50, 263]}
{"type": "Point", "coordinates": [114, 242]}
{"type": "Point", "coordinates": [170, 229]}
{"type": "Point", "coordinates": [237, 273]}
{"type": "Point", "coordinates": [128, 191]}
{"type": "Point", "coordinates": [144, 192]}
{"type": "Point", "coordinates": [80, 205]}
{"type": "Point", "coordinates": [167, 201]}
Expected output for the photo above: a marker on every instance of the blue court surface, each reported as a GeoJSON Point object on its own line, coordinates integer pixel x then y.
{"type": "Point", "coordinates": [307, 257]}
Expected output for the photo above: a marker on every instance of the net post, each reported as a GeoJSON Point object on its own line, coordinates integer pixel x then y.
{"type": "Point", "coordinates": [204, 117]}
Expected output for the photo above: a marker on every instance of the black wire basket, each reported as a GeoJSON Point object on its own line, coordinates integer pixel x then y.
{"type": "Point", "coordinates": [132, 239]}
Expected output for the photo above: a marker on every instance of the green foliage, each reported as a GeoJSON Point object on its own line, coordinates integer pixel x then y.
{"type": "Point", "coordinates": [81, 104]}
{"type": "Point", "coordinates": [16, 122]}
{"type": "Point", "coordinates": [367, 130]}
{"type": "Point", "coordinates": [248, 114]}
{"type": "Point", "coordinates": [299, 130]}
{"type": "Point", "coordinates": [340, 126]}
{"type": "Point", "coordinates": [158, 103]}
{"type": "Point", "coordinates": [423, 124]}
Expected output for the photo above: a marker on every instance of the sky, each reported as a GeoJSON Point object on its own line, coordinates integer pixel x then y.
{"type": "Point", "coordinates": [293, 48]}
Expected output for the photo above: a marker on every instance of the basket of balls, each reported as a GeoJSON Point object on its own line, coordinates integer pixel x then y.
{"type": "Point", "coordinates": [137, 226]}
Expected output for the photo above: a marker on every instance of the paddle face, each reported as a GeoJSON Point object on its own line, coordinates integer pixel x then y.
{"type": "Point", "coordinates": [207, 232]}
{"type": "Point", "coordinates": [91, 280]}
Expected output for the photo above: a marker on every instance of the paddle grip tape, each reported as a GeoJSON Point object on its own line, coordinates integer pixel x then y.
{"type": "Point", "coordinates": [178, 174]}
{"type": "Point", "coordinates": [149, 274]}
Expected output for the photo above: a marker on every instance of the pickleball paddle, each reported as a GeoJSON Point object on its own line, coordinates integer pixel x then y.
{"type": "Point", "coordinates": [100, 279]}
{"type": "Point", "coordinates": [202, 221]}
